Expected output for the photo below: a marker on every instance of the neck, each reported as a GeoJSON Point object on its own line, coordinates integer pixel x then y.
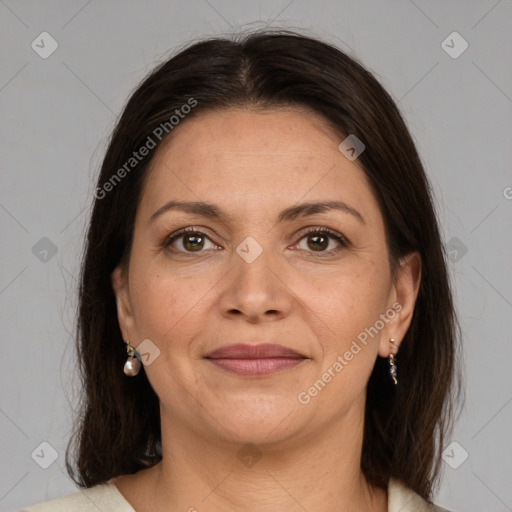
{"type": "Point", "coordinates": [316, 472]}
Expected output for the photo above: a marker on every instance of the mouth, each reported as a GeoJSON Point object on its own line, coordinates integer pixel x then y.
{"type": "Point", "coordinates": [254, 360]}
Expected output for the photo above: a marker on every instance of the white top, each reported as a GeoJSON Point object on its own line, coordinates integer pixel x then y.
{"type": "Point", "coordinates": [107, 498]}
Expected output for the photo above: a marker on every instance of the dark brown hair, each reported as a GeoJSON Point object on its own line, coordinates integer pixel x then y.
{"type": "Point", "coordinates": [118, 430]}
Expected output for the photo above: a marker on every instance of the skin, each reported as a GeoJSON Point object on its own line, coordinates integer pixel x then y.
{"type": "Point", "coordinates": [252, 165]}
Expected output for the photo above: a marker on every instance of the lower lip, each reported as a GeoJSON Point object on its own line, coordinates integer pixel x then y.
{"type": "Point", "coordinates": [257, 366]}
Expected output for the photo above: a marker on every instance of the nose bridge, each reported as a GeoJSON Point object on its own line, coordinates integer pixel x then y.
{"type": "Point", "coordinates": [254, 288]}
{"type": "Point", "coordinates": [252, 262]}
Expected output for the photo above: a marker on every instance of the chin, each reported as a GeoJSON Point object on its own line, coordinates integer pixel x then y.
{"type": "Point", "coordinates": [259, 421]}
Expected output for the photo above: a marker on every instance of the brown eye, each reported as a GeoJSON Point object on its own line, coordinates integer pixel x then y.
{"type": "Point", "coordinates": [319, 241]}
{"type": "Point", "coordinates": [193, 242]}
{"type": "Point", "coordinates": [187, 240]}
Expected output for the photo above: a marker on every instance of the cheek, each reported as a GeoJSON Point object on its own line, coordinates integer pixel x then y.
{"type": "Point", "coordinates": [350, 306]}
{"type": "Point", "coordinates": [347, 304]}
{"type": "Point", "coordinates": [163, 305]}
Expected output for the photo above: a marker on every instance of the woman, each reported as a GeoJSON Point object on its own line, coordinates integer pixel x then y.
{"type": "Point", "coordinates": [263, 241]}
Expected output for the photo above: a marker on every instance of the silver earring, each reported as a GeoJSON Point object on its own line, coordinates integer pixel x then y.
{"type": "Point", "coordinates": [132, 365]}
{"type": "Point", "coordinates": [392, 365]}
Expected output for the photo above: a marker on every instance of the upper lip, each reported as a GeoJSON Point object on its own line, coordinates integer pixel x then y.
{"type": "Point", "coordinates": [261, 351]}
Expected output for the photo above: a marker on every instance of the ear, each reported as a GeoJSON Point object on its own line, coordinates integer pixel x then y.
{"type": "Point", "coordinates": [403, 299]}
{"type": "Point", "coordinates": [119, 280]}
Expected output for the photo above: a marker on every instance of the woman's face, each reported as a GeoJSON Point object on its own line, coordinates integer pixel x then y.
{"type": "Point", "coordinates": [250, 273]}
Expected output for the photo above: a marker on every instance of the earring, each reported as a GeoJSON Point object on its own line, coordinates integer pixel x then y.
{"type": "Point", "coordinates": [132, 365]}
{"type": "Point", "coordinates": [392, 365]}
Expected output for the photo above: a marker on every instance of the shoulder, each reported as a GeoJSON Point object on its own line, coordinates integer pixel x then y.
{"type": "Point", "coordinates": [403, 499]}
{"type": "Point", "coordinates": [105, 497]}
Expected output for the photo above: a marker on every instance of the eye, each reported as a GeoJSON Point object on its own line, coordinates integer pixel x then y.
{"type": "Point", "coordinates": [319, 239]}
{"type": "Point", "coordinates": [190, 240]}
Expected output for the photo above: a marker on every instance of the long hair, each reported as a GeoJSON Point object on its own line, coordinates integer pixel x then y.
{"type": "Point", "coordinates": [118, 429]}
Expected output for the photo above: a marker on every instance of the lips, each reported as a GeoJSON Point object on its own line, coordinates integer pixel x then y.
{"type": "Point", "coordinates": [262, 351]}
{"type": "Point", "coordinates": [253, 360]}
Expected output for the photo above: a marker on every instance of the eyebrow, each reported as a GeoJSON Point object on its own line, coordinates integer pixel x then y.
{"type": "Point", "coordinates": [212, 211]}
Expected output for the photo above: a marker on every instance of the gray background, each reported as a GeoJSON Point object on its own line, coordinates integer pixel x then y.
{"type": "Point", "coordinates": [57, 113]}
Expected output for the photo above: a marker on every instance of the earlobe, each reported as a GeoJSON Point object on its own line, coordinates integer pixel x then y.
{"type": "Point", "coordinates": [124, 310]}
{"type": "Point", "coordinates": [405, 292]}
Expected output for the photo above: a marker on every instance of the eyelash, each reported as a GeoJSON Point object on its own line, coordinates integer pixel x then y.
{"type": "Point", "coordinates": [315, 230]}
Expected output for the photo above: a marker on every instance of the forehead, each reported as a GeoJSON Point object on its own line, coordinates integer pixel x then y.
{"type": "Point", "coordinates": [249, 133]}
{"type": "Point", "coordinates": [247, 157]}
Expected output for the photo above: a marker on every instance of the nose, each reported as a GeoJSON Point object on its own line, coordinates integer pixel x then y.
{"type": "Point", "coordinates": [256, 291]}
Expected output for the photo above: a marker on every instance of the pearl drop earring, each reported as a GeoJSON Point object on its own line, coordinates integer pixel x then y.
{"type": "Point", "coordinates": [132, 365]}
